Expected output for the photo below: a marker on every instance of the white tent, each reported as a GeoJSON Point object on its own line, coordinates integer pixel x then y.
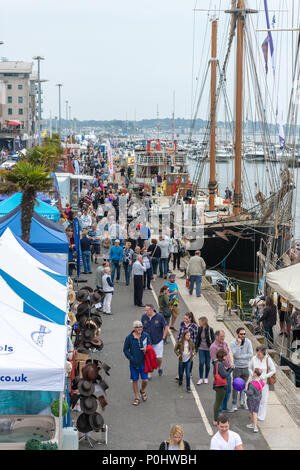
{"type": "Point", "coordinates": [24, 281]}
{"type": "Point", "coordinates": [287, 283]}
{"type": "Point", "coordinates": [32, 352]}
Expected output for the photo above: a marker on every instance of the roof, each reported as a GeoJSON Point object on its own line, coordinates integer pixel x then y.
{"type": "Point", "coordinates": [45, 236]}
{"type": "Point", "coordinates": [16, 67]}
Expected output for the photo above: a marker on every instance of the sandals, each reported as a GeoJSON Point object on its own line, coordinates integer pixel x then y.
{"type": "Point", "coordinates": [136, 402]}
{"type": "Point", "coordinates": [143, 395]}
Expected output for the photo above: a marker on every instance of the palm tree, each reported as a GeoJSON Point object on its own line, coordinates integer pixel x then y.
{"type": "Point", "coordinates": [27, 178]}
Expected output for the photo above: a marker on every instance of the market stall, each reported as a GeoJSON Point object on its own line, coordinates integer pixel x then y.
{"type": "Point", "coordinates": [286, 282]}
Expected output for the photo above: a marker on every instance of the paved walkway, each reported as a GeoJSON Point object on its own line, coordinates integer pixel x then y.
{"type": "Point", "coordinates": [146, 426]}
{"type": "Point", "coordinates": [279, 429]}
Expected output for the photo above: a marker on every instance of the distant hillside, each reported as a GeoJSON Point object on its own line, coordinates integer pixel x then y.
{"type": "Point", "coordinates": [164, 125]}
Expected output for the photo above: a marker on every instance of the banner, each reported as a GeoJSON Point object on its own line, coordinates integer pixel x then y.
{"type": "Point", "coordinates": [110, 158]}
{"type": "Point", "coordinates": [77, 246]}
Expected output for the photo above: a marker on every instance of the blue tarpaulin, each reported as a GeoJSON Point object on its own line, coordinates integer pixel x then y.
{"type": "Point", "coordinates": [42, 208]}
{"type": "Point", "coordinates": [45, 236]}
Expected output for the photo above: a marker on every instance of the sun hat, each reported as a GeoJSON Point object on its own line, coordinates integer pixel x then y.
{"type": "Point", "coordinates": [96, 421]}
{"type": "Point", "coordinates": [83, 423]}
{"type": "Point", "coordinates": [105, 367]}
{"type": "Point", "coordinates": [103, 402]}
{"type": "Point", "coordinates": [90, 371]}
{"type": "Point", "coordinates": [82, 295]}
{"type": "Point", "coordinates": [86, 387]}
{"type": "Point", "coordinates": [88, 404]}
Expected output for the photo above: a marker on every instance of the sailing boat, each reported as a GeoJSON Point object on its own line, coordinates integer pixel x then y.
{"type": "Point", "coordinates": [233, 233]}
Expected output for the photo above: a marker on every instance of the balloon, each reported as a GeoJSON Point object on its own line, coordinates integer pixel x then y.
{"type": "Point", "coordinates": [239, 384]}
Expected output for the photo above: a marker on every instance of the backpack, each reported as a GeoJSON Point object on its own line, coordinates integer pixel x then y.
{"type": "Point", "coordinates": [219, 381]}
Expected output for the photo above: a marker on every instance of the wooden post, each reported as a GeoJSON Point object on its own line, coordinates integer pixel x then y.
{"type": "Point", "coordinates": [212, 180]}
{"type": "Point", "coordinates": [237, 198]}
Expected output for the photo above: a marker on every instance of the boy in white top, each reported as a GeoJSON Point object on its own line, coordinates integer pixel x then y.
{"type": "Point", "coordinates": [225, 439]}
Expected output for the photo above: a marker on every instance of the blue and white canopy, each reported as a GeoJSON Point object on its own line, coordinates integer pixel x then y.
{"type": "Point", "coordinates": [32, 352]}
{"type": "Point", "coordinates": [30, 284]}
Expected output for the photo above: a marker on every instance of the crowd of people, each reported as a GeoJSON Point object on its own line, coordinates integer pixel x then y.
{"type": "Point", "coordinates": [143, 259]}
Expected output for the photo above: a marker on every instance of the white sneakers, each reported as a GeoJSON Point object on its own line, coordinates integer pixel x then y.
{"type": "Point", "coordinates": [200, 382]}
{"type": "Point", "coordinates": [250, 426]}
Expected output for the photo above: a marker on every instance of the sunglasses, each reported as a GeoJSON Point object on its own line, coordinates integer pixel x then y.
{"type": "Point", "coordinates": [242, 334]}
{"type": "Point", "coordinates": [138, 327]}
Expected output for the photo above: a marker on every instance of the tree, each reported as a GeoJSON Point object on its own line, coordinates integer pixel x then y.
{"type": "Point", "coordinates": [27, 178]}
{"type": "Point", "coordinates": [48, 154]}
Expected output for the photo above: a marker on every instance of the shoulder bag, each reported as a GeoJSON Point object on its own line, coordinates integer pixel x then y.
{"type": "Point", "coordinates": [219, 381]}
{"type": "Point", "coordinates": [270, 380]}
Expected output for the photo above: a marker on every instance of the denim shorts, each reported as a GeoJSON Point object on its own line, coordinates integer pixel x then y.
{"type": "Point", "coordinates": [135, 373]}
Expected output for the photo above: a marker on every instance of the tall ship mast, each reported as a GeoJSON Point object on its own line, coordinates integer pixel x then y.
{"type": "Point", "coordinates": [235, 234]}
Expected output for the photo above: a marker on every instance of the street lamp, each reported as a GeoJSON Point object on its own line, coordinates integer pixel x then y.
{"type": "Point", "coordinates": [59, 104]}
{"type": "Point", "coordinates": [39, 58]}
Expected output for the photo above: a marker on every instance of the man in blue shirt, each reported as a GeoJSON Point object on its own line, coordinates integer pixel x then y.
{"type": "Point", "coordinates": [134, 349]}
{"type": "Point", "coordinates": [115, 258]}
{"type": "Point", "coordinates": [156, 326]}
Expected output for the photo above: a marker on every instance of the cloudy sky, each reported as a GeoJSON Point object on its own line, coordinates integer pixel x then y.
{"type": "Point", "coordinates": [122, 58]}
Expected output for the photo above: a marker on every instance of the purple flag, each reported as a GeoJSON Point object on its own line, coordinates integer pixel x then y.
{"type": "Point", "coordinates": [265, 49]}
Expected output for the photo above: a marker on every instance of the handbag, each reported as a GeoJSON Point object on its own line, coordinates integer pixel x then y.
{"type": "Point", "coordinates": [219, 381]}
{"type": "Point", "coordinates": [270, 380]}
{"type": "Point", "coordinates": [188, 282]}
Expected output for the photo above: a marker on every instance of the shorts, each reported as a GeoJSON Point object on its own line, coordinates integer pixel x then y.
{"type": "Point", "coordinates": [159, 349]}
{"type": "Point", "coordinates": [175, 311]}
{"type": "Point", "coordinates": [95, 249]}
{"type": "Point", "coordinates": [136, 373]}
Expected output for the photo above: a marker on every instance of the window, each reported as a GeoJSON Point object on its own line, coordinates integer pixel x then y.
{"type": "Point", "coordinates": [9, 110]}
{"type": "Point", "coordinates": [20, 110]}
{"type": "Point", "coordinates": [20, 87]}
{"type": "Point", "coordinates": [20, 99]}
{"type": "Point", "coordinates": [9, 99]}
{"type": "Point", "coordinates": [9, 87]}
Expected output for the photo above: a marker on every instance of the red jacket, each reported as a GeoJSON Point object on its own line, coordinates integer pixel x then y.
{"type": "Point", "coordinates": [150, 359]}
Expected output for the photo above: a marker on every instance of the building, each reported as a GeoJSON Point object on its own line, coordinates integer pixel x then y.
{"type": "Point", "coordinates": [18, 107]}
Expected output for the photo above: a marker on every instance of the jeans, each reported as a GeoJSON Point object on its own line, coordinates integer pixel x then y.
{"type": "Point", "coordinates": [198, 279]}
{"type": "Point", "coordinates": [154, 264]}
{"type": "Point", "coordinates": [147, 278]}
{"type": "Point", "coordinates": [163, 266]}
{"type": "Point", "coordinates": [269, 333]}
{"type": "Point", "coordinates": [220, 394]}
{"type": "Point", "coordinates": [86, 258]}
{"type": "Point", "coordinates": [243, 373]}
{"type": "Point", "coordinates": [176, 260]}
{"type": "Point", "coordinates": [115, 265]}
{"type": "Point", "coordinates": [185, 366]}
{"type": "Point", "coordinates": [127, 269]}
{"type": "Point", "coordinates": [204, 358]}
{"type": "Point", "coordinates": [224, 405]}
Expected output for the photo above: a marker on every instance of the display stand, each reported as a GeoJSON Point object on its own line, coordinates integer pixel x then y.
{"type": "Point", "coordinates": [92, 442]}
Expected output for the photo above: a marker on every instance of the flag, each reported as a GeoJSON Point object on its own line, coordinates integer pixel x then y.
{"type": "Point", "coordinates": [77, 246]}
{"type": "Point", "coordinates": [281, 136]}
{"type": "Point", "coordinates": [270, 37]}
{"type": "Point", "coordinates": [265, 49]}
{"type": "Point", "coordinates": [110, 158]}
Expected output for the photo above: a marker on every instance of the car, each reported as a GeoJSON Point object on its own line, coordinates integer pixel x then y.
{"type": "Point", "coordinates": [7, 165]}
{"type": "Point", "coordinates": [219, 280]}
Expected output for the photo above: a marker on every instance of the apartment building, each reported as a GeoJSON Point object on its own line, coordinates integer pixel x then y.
{"type": "Point", "coordinates": [18, 107]}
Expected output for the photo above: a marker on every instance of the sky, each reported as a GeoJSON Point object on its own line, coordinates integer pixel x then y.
{"type": "Point", "coordinates": [121, 59]}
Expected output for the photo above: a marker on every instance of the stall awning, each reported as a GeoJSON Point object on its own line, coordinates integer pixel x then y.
{"type": "Point", "coordinates": [287, 283]}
